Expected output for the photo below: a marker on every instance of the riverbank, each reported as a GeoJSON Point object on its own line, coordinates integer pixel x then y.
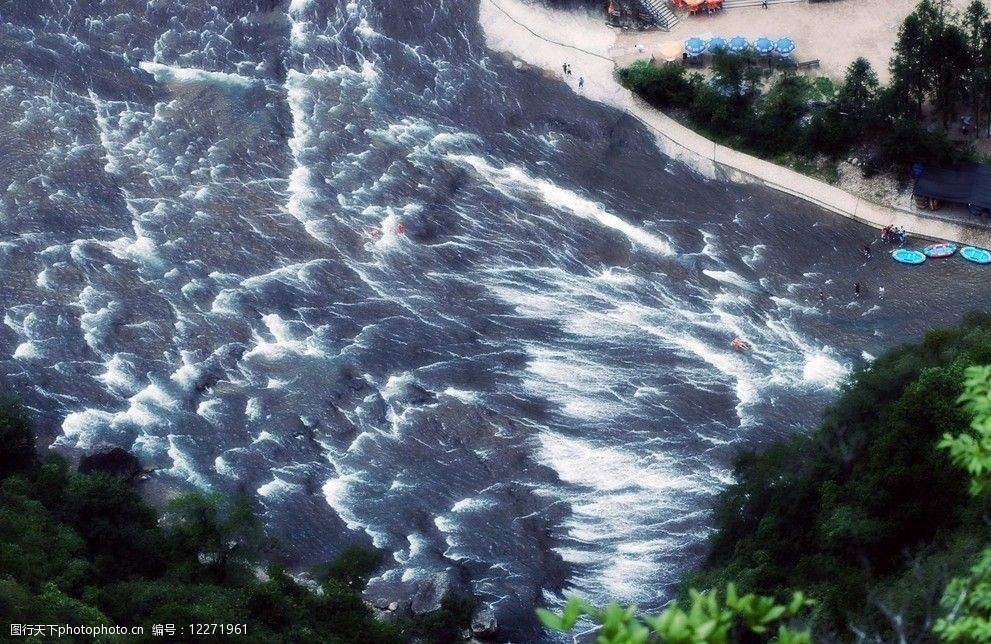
{"type": "Point", "coordinates": [546, 38]}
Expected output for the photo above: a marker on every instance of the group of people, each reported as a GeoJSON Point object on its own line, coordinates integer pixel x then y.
{"type": "Point", "coordinates": [890, 234]}
{"type": "Point", "coordinates": [566, 68]}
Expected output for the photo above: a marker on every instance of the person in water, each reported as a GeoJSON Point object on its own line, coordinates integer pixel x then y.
{"type": "Point", "coordinates": [822, 297]}
{"type": "Point", "coordinates": [867, 251]}
{"type": "Point", "coordinates": [738, 344]}
{"type": "Point", "coordinates": [880, 292]}
{"type": "Point", "coordinates": [856, 289]}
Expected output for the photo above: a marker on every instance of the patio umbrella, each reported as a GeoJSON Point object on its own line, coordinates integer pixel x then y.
{"type": "Point", "coordinates": [738, 44]}
{"type": "Point", "coordinates": [717, 43]}
{"type": "Point", "coordinates": [763, 45]}
{"type": "Point", "coordinates": [784, 46]}
{"type": "Point", "coordinates": [695, 46]}
{"type": "Point", "coordinates": [669, 51]}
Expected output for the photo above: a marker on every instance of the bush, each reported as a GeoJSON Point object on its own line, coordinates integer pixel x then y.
{"type": "Point", "coordinates": [353, 567]}
{"type": "Point", "coordinates": [664, 86]}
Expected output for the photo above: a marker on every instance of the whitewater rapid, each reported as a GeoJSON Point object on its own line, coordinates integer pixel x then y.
{"type": "Point", "coordinates": [343, 258]}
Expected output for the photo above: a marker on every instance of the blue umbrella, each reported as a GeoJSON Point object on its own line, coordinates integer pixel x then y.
{"type": "Point", "coordinates": [738, 44]}
{"type": "Point", "coordinates": [694, 46]}
{"type": "Point", "coordinates": [764, 45]}
{"type": "Point", "coordinates": [784, 46]}
{"type": "Point", "coordinates": [717, 44]}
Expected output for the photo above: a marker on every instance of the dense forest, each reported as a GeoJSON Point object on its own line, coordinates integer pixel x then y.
{"type": "Point", "coordinates": [85, 550]}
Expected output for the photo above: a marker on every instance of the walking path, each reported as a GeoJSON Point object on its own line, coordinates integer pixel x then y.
{"type": "Point", "coordinates": [519, 29]}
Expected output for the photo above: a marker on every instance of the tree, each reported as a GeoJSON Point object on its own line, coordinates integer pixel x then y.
{"type": "Point", "coordinates": [17, 453]}
{"type": "Point", "coordinates": [221, 534]}
{"type": "Point", "coordinates": [860, 85]}
{"type": "Point", "coordinates": [975, 23]}
{"type": "Point", "coordinates": [909, 80]}
{"type": "Point", "coordinates": [967, 599]}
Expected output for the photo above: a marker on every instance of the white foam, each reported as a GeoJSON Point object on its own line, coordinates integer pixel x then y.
{"type": "Point", "coordinates": [27, 351]}
{"type": "Point", "coordinates": [513, 180]}
{"type": "Point", "coordinates": [627, 496]}
{"type": "Point", "coordinates": [467, 397]}
{"type": "Point", "coordinates": [182, 465]}
{"type": "Point", "coordinates": [727, 277]}
{"type": "Point", "coordinates": [821, 369]}
{"type": "Point", "coordinates": [173, 74]}
{"type": "Point", "coordinates": [119, 375]}
{"type": "Point", "coordinates": [276, 488]}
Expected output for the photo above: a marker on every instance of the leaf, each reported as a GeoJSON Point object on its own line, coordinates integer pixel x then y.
{"type": "Point", "coordinates": [550, 620]}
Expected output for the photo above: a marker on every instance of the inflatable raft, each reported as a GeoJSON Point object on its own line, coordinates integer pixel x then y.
{"type": "Point", "coordinates": [906, 256]}
{"type": "Point", "coordinates": [976, 255]}
{"type": "Point", "coordinates": [940, 250]}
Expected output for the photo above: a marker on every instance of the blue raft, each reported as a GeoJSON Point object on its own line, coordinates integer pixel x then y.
{"type": "Point", "coordinates": [906, 256]}
{"type": "Point", "coordinates": [976, 255]}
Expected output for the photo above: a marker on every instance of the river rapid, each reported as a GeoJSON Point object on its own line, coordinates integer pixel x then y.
{"type": "Point", "coordinates": [341, 257]}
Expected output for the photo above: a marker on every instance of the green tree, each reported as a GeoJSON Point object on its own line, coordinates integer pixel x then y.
{"type": "Point", "coordinates": [860, 86]}
{"type": "Point", "coordinates": [908, 69]}
{"type": "Point", "coordinates": [16, 437]}
{"type": "Point", "coordinates": [224, 535]}
{"type": "Point", "coordinates": [967, 599]}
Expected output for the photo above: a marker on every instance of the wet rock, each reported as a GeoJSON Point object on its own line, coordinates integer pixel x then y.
{"type": "Point", "coordinates": [394, 606]}
{"type": "Point", "coordinates": [430, 594]}
{"type": "Point", "coordinates": [114, 461]}
{"type": "Point", "coordinates": [381, 602]}
{"type": "Point", "coordinates": [484, 624]}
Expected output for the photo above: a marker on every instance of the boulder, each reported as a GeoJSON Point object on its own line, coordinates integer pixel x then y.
{"type": "Point", "coordinates": [430, 594]}
{"type": "Point", "coordinates": [484, 624]}
{"type": "Point", "coordinates": [113, 461]}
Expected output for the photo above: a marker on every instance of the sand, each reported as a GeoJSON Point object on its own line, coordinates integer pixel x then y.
{"type": "Point", "coordinates": [576, 37]}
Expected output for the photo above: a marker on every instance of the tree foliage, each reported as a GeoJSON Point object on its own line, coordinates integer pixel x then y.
{"type": "Point", "coordinates": [708, 619]}
{"type": "Point", "coordinates": [864, 514]}
{"type": "Point", "coordinates": [967, 600]}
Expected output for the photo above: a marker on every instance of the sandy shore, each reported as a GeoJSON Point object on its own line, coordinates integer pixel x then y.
{"type": "Point", "coordinates": [548, 38]}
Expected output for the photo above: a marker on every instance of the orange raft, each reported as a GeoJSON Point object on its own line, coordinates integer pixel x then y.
{"type": "Point", "coordinates": [738, 344]}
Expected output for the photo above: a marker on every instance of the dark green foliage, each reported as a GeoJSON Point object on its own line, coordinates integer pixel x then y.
{"type": "Point", "coordinates": [777, 127]}
{"type": "Point", "coordinates": [86, 550]}
{"type": "Point", "coordinates": [664, 86]}
{"type": "Point", "coordinates": [353, 567]}
{"type": "Point", "coordinates": [444, 625]}
{"type": "Point", "coordinates": [864, 513]}
{"type": "Point", "coordinates": [16, 440]}
{"type": "Point", "coordinates": [859, 90]}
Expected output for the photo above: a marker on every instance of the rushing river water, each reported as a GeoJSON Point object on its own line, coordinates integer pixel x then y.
{"type": "Point", "coordinates": [524, 381]}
